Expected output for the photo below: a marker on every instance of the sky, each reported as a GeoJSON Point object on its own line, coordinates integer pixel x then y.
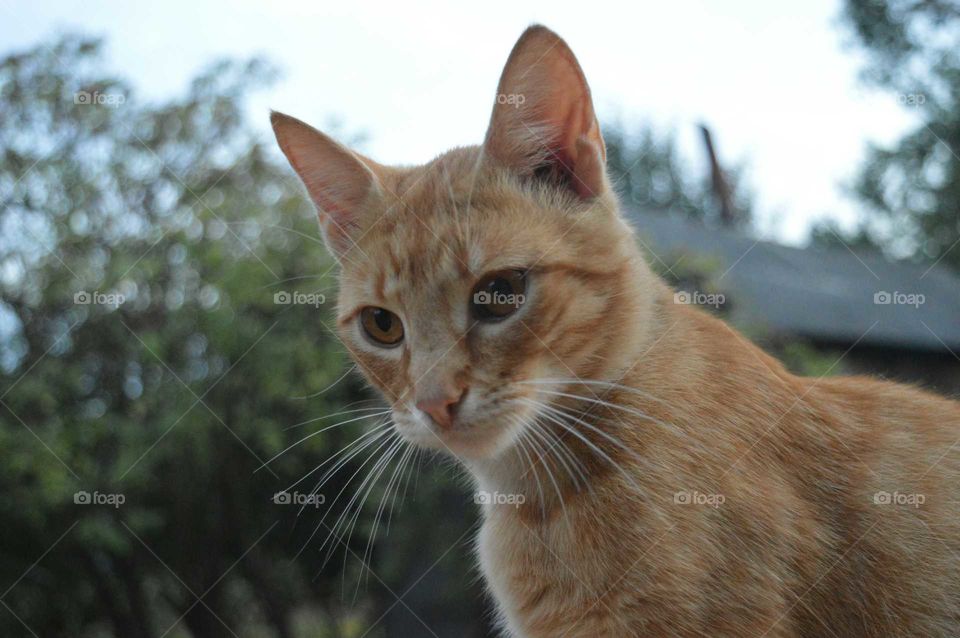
{"type": "Point", "coordinates": [777, 82]}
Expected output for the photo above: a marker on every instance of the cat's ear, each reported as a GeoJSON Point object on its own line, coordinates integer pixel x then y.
{"type": "Point", "coordinates": [340, 182]}
{"type": "Point", "coordinates": [543, 120]}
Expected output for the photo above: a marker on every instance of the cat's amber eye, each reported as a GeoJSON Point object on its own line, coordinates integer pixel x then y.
{"type": "Point", "coordinates": [499, 294]}
{"type": "Point", "coordinates": [382, 326]}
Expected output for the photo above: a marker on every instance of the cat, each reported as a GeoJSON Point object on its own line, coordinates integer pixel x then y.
{"type": "Point", "coordinates": [643, 469]}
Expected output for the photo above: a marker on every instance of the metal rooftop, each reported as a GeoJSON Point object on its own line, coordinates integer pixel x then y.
{"type": "Point", "coordinates": [823, 294]}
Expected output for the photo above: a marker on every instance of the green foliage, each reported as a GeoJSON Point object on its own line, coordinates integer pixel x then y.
{"type": "Point", "coordinates": [649, 172]}
{"type": "Point", "coordinates": [912, 188]}
{"type": "Point", "coordinates": [174, 398]}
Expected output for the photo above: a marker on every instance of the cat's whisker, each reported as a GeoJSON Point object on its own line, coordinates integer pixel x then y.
{"type": "Point", "coordinates": [553, 449]}
{"type": "Point", "coordinates": [608, 404]}
{"type": "Point", "coordinates": [388, 440]}
{"type": "Point", "coordinates": [563, 454]}
{"type": "Point", "coordinates": [632, 411]}
{"type": "Point", "coordinates": [595, 416]}
{"type": "Point", "coordinates": [313, 434]}
{"type": "Point", "coordinates": [368, 551]}
{"type": "Point", "coordinates": [579, 418]}
{"type": "Point", "coordinates": [548, 413]}
{"type": "Point", "coordinates": [378, 409]}
{"type": "Point", "coordinates": [358, 445]}
{"type": "Point", "coordinates": [329, 387]}
{"type": "Point", "coordinates": [561, 451]}
{"type": "Point", "coordinates": [366, 486]}
{"type": "Point", "coordinates": [404, 479]}
{"type": "Point", "coordinates": [549, 472]}
{"type": "Point", "coordinates": [382, 430]}
{"type": "Point", "coordinates": [273, 284]}
{"type": "Point", "coordinates": [560, 382]}
{"type": "Point", "coordinates": [348, 518]}
{"type": "Point", "coordinates": [521, 441]}
{"type": "Point", "coordinates": [616, 421]}
{"type": "Point", "coordinates": [414, 467]}
{"type": "Point", "coordinates": [383, 499]}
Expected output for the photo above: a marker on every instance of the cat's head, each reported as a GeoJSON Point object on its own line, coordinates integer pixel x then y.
{"type": "Point", "coordinates": [469, 285]}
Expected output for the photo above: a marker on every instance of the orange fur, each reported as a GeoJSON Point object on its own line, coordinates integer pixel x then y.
{"type": "Point", "coordinates": [784, 535]}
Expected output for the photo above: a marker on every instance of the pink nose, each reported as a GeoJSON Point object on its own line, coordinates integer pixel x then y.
{"type": "Point", "coordinates": [442, 408]}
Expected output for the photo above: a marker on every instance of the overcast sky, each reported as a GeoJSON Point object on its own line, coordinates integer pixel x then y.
{"type": "Point", "coordinates": [777, 82]}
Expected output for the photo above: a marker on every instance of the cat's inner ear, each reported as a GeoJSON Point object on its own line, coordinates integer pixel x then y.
{"type": "Point", "coordinates": [543, 121]}
{"type": "Point", "coordinates": [340, 182]}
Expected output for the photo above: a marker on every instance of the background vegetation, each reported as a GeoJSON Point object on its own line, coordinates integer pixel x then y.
{"type": "Point", "coordinates": [910, 191]}
{"type": "Point", "coordinates": [174, 398]}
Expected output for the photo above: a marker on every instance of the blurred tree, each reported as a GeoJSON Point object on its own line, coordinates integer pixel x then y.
{"type": "Point", "coordinates": [911, 189]}
{"type": "Point", "coordinates": [649, 172]}
{"type": "Point", "coordinates": [145, 358]}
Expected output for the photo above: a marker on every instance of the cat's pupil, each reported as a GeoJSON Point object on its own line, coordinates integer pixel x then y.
{"type": "Point", "coordinates": [499, 286]}
{"type": "Point", "coordinates": [498, 295]}
{"type": "Point", "coordinates": [381, 326]}
{"type": "Point", "coordinates": [383, 319]}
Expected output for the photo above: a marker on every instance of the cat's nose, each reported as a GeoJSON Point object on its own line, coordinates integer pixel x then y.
{"type": "Point", "coordinates": [442, 406]}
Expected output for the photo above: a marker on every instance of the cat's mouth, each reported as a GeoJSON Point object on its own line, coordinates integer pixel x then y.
{"type": "Point", "coordinates": [473, 435]}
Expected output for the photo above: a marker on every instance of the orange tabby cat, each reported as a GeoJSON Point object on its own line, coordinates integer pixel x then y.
{"type": "Point", "coordinates": [645, 470]}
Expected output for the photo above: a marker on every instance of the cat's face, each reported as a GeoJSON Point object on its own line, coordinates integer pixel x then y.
{"type": "Point", "coordinates": [468, 286]}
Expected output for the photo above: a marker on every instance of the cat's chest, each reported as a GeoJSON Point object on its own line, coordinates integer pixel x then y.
{"type": "Point", "coordinates": [538, 575]}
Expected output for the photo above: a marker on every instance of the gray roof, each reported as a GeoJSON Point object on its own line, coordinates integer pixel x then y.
{"type": "Point", "coordinates": [824, 294]}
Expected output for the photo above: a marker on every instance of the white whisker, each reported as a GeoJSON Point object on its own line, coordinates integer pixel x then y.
{"type": "Point", "coordinates": [548, 414]}
{"type": "Point", "coordinates": [313, 434]}
{"type": "Point", "coordinates": [366, 486]}
{"type": "Point", "coordinates": [553, 480]}
{"type": "Point", "coordinates": [390, 439]}
{"type": "Point", "coordinates": [379, 409]}
{"type": "Point", "coordinates": [536, 475]}
{"type": "Point", "coordinates": [368, 551]}
{"type": "Point", "coordinates": [608, 404]}
{"type": "Point", "coordinates": [592, 382]}
{"type": "Point", "coordinates": [563, 454]}
{"type": "Point", "coordinates": [378, 431]}
{"type": "Point", "coordinates": [316, 394]}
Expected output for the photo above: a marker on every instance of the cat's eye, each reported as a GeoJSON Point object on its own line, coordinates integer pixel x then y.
{"type": "Point", "coordinates": [499, 294]}
{"type": "Point", "coordinates": [382, 326]}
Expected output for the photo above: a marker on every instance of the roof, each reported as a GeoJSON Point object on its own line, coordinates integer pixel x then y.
{"type": "Point", "coordinates": [825, 294]}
